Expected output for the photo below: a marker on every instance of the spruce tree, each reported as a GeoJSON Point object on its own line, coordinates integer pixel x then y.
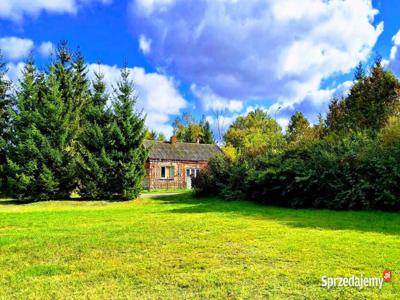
{"type": "Point", "coordinates": [5, 106]}
{"type": "Point", "coordinates": [32, 159]}
{"type": "Point", "coordinates": [207, 136]}
{"type": "Point", "coordinates": [125, 143]}
{"type": "Point", "coordinates": [71, 75]}
{"type": "Point", "coordinates": [95, 161]}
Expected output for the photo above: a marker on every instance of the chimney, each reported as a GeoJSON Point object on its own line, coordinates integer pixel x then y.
{"type": "Point", "coordinates": [173, 139]}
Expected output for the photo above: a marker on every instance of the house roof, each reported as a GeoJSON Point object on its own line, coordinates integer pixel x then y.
{"type": "Point", "coordinates": [181, 151]}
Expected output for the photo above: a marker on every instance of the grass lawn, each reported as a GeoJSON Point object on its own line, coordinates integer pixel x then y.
{"type": "Point", "coordinates": [176, 246]}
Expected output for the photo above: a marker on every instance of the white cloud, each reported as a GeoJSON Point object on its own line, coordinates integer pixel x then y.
{"type": "Point", "coordinates": [158, 94]}
{"type": "Point", "coordinates": [210, 101]}
{"type": "Point", "coordinates": [14, 48]}
{"type": "Point", "coordinates": [46, 49]}
{"type": "Point", "coordinates": [394, 61]}
{"type": "Point", "coordinates": [283, 122]}
{"type": "Point", "coordinates": [147, 7]}
{"type": "Point", "coordinates": [312, 104]}
{"type": "Point", "coordinates": [15, 71]}
{"type": "Point", "coordinates": [17, 9]}
{"type": "Point", "coordinates": [396, 43]}
{"type": "Point", "coordinates": [257, 49]}
{"type": "Point", "coordinates": [144, 44]}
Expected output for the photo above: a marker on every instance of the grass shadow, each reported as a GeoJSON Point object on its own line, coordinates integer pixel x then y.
{"type": "Point", "coordinates": [365, 221]}
{"type": "Point", "coordinates": [4, 202]}
{"type": "Point", "coordinates": [14, 202]}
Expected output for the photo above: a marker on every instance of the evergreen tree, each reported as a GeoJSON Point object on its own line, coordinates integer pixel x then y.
{"type": "Point", "coordinates": [95, 161]}
{"type": "Point", "coordinates": [125, 149]}
{"type": "Point", "coordinates": [207, 136]}
{"type": "Point", "coordinates": [32, 157]}
{"type": "Point", "coordinates": [71, 75]}
{"type": "Point", "coordinates": [371, 101]}
{"type": "Point", "coordinates": [359, 72]}
{"type": "Point", "coordinates": [5, 106]}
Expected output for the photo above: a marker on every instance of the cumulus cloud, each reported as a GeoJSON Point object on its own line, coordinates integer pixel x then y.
{"type": "Point", "coordinates": [14, 48]}
{"type": "Point", "coordinates": [147, 7]}
{"type": "Point", "coordinates": [210, 101]}
{"type": "Point", "coordinates": [17, 9]}
{"type": "Point", "coordinates": [257, 49]}
{"type": "Point", "coordinates": [394, 61]}
{"type": "Point", "coordinates": [46, 49]}
{"type": "Point", "coordinates": [144, 44]}
{"type": "Point", "coordinates": [14, 71]}
{"type": "Point", "coordinates": [311, 105]}
{"type": "Point", "coordinates": [158, 94]}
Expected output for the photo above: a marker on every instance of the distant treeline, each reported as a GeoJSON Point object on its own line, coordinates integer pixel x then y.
{"type": "Point", "coordinates": [63, 133]}
{"type": "Point", "coordinates": [350, 160]}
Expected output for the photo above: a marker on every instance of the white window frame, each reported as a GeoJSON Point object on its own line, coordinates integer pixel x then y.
{"type": "Point", "coordinates": [167, 173]}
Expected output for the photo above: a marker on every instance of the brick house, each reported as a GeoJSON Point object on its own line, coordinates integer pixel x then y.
{"type": "Point", "coordinates": [172, 164]}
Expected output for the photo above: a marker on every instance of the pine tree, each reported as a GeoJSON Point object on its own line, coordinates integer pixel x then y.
{"type": "Point", "coordinates": [95, 161]}
{"type": "Point", "coordinates": [125, 143]}
{"type": "Point", "coordinates": [5, 106]}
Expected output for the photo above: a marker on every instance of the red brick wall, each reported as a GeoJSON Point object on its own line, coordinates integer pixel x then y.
{"type": "Point", "coordinates": [153, 178]}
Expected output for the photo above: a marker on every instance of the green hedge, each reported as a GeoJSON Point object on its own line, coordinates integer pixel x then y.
{"type": "Point", "coordinates": [353, 170]}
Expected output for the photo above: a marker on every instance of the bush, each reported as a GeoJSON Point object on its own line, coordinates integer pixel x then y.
{"type": "Point", "coordinates": [353, 170]}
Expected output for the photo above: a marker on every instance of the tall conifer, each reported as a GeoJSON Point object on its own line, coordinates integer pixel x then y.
{"type": "Point", "coordinates": [5, 106]}
{"type": "Point", "coordinates": [125, 144]}
{"type": "Point", "coordinates": [95, 161]}
{"type": "Point", "coordinates": [30, 166]}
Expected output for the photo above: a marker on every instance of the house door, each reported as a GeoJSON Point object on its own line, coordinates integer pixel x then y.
{"type": "Point", "coordinates": [189, 173]}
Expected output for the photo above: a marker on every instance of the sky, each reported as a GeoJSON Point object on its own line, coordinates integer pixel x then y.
{"type": "Point", "coordinates": [214, 58]}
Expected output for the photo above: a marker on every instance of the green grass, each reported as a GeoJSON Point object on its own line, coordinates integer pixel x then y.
{"type": "Point", "coordinates": [178, 247]}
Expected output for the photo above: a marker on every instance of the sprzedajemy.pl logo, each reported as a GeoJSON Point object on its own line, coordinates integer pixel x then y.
{"type": "Point", "coordinates": [356, 281]}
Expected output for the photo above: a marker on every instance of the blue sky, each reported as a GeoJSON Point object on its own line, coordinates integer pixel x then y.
{"type": "Point", "coordinates": [215, 58]}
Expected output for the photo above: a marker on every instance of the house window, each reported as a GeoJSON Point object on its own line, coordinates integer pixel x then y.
{"type": "Point", "coordinates": [167, 172]}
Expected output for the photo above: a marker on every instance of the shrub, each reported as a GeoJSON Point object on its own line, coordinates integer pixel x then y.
{"type": "Point", "coordinates": [352, 170]}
